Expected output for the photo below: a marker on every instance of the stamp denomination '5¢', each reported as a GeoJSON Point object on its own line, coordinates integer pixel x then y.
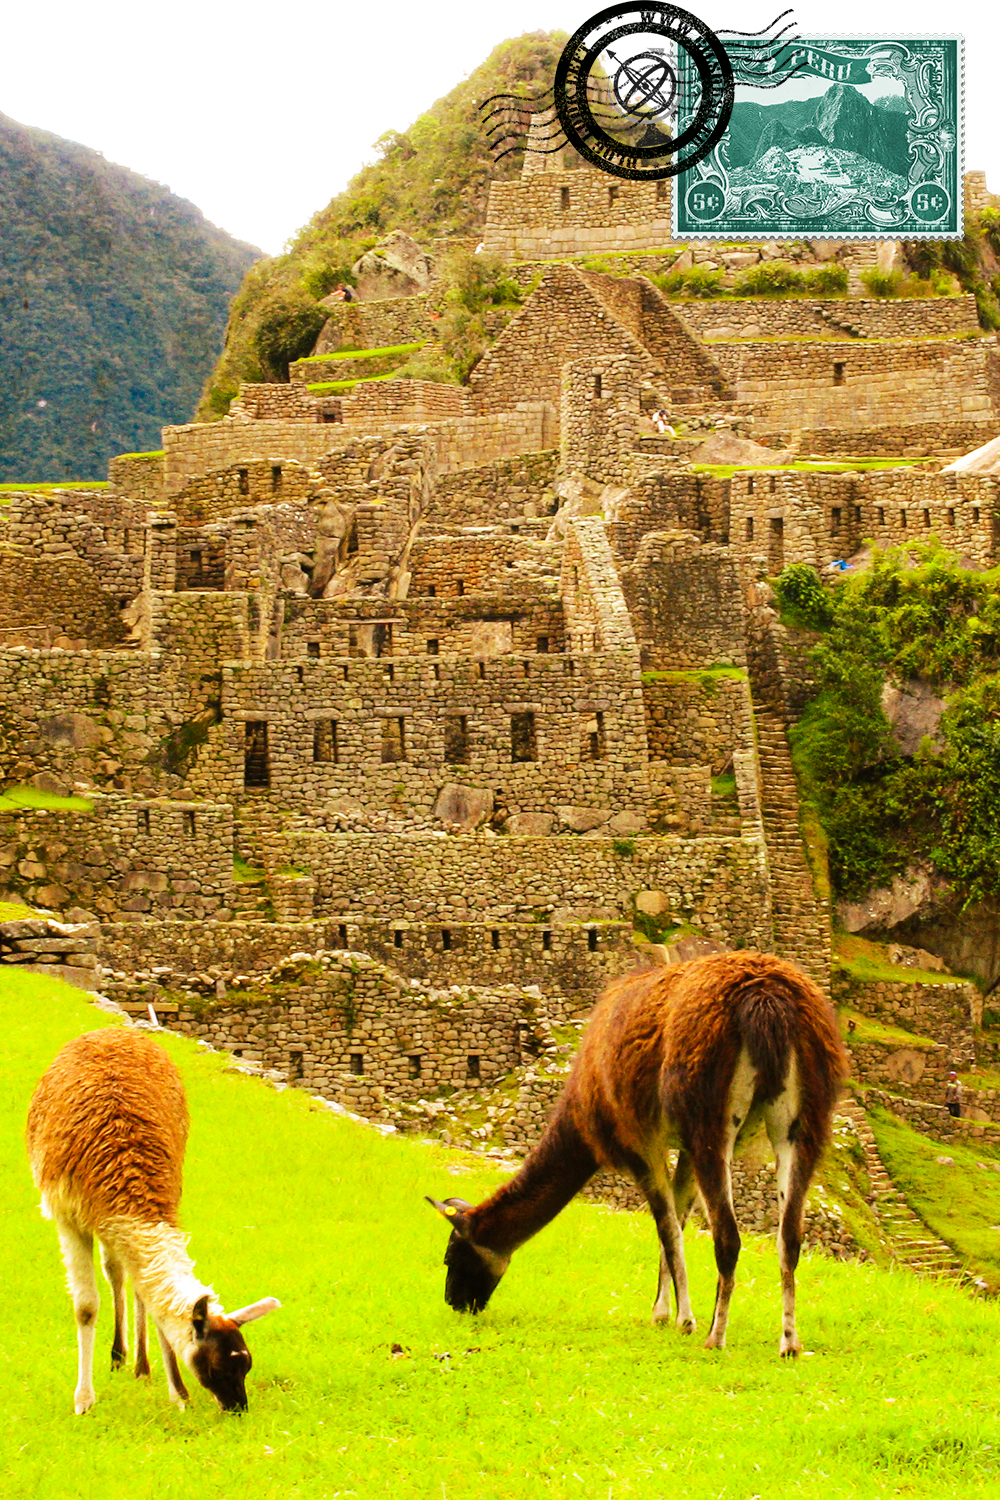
{"type": "Point", "coordinates": [863, 139]}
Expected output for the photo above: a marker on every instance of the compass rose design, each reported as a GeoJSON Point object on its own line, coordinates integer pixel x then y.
{"type": "Point", "coordinates": [645, 85]}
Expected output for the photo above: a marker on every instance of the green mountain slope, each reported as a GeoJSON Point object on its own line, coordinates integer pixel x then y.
{"type": "Point", "coordinates": [113, 299]}
{"type": "Point", "coordinates": [431, 181]}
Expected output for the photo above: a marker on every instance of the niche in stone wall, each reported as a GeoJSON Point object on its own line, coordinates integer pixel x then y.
{"type": "Point", "coordinates": [393, 739]}
{"type": "Point", "coordinates": [325, 741]}
{"type": "Point", "coordinates": [256, 761]}
{"type": "Point", "coordinates": [456, 740]}
{"type": "Point", "coordinates": [523, 738]}
{"type": "Point", "coordinates": [594, 746]}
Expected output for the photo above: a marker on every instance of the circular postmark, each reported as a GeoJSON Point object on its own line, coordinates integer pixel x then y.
{"type": "Point", "coordinates": [626, 78]}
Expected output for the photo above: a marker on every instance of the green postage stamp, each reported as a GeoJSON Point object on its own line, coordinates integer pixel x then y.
{"type": "Point", "coordinates": [862, 140]}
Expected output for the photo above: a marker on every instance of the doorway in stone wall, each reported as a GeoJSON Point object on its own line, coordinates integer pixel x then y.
{"type": "Point", "coordinates": [775, 545]}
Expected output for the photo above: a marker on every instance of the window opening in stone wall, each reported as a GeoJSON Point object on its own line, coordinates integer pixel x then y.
{"type": "Point", "coordinates": [612, 196]}
{"type": "Point", "coordinates": [275, 479]}
{"type": "Point", "coordinates": [433, 647]}
{"type": "Point", "coordinates": [902, 519]}
{"type": "Point", "coordinates": [325, 748]}
{"type": "Point", "coordinates": [431, 591]}
{"type": "Point", "coordinates": [460, 586]}
{"type": "Point", "coordinates": [661, 192]}
{"type": "Point", "coordinates": [382, 639]}
{"type": "Point", "coordinates": [256, 764]}
{"type": "Point", "coordinates": [594, 744]}
{"type": "Point", "coordinates": [389, 674]}
{"type": "Point", "coordinates": [570, 666]}
{"type": "Point", "coordinates": [546, 941]}
{"type": "Point", "coordinates": [296, 1064]}
{"type": "Point", "coordinates": [857, 514]}
{"type": "Point", "coordinates": [456, 740]}
{"type": "Point", "coordinates": [750, 485]}
{"type": "Point", "coordinates": [526, 667]}
{"type": "Point", "coordinates": [564, 198]}
{"type": "Point", "coordinates": [881, 516]}
{"type": "Point", "coordinates": [347, 672]}
{"type": "Point", "coordinates": [312, 648]}
{"type": "Point", "coordinates": [542, 645]}
{"type": "Point", "coordinates": [414, 1061]}
{"type": "Point", "coordinates": [597, 387]}
{"type": "Point", "coordinates": [592, 939]}
{"type": "Point", "coordinates": [951, 517]}
{"type": "Point", "coordinates": [927, 518]}
{"type": "Point", "coordinates": [515, 529]}
{"type": "Point", "coordinates": [523, 740]}
{"type": "Point", "coordinates": [749, 528]}
{"type": "Point", "coordinates": [197, 562]}
{"type": "Point", "coordinates": [772, 483]}
{"type": "Point", "coordinates": [397, 937]}
{"type": "Point", "coordinates": [300, 674]}
{"type": "Point", "coordinates": [436, 672]}
{"type": "Point", "coordinates": [838, 373]}
{"type": "Point", "coordinates": [835, 519]}
{"type": "Point", "coordinates": [342, 934]}
{"type": "Point", "coordinates": [776, 545]}
{"type": "Point", "coordinates": [446, 939]}
{"type": "Point", "coordinates": [187, 824]}
{"type": "Point", "coordinates": [243, 481]}
{"type": "Point", "coordinates": [975, 515]}
{"type": "Point", "coordinates": [472, 1066]}
{"type": "Point", "coordinates": [102, 691]}
{"type": "Point", "coordinates": [495, 939]}
{"type": "Point", "coordinates": [142, 820]}
{"type": "Point", "coordinates": [393, 740]}
{"type": "Point", "coordinates": [482, 670]}
{"type": "Point", "coordinates": [357, 1062]}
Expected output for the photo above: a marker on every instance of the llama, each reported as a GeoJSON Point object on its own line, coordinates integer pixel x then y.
{"type": "Point", "coordinates": [106, 1134]}
{"type": "Point", "coordinates": [693, 1057]}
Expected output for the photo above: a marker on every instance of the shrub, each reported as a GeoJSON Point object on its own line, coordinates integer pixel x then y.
{"type": "Point", "coordinates": [802, 596]}
{"type": "Point", "coordinates": [881, 283]}
{"type": "Point", "coordinates": [702, 282]}
{"type": "Point", "coordinates": [772, 278]}
{"type": "Point", "coordinates": [287, 330]}
{"type": "Point", "coordinates": [828, 280]}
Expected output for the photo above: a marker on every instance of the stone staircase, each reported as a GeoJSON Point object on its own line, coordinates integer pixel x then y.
{"type": "Point", "coordinates": [801, 921]}
{"type": "Point", "coordinates": [913, 1245]}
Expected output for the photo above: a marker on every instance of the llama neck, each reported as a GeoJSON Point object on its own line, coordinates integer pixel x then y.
{"type": "Point", "coordinates": [553, 1173]}
{"type": "Point", "coordinates": [162, 1273]}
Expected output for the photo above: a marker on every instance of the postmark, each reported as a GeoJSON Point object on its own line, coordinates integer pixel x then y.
{"type": "Point", "coordinates": [643, 90]}
{"type": "Point", "coordinates": [862, 138]}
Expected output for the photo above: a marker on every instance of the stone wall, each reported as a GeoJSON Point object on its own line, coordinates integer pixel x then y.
{"type": "Point", "coordinates": [861, 384]}
{"type": "Point", "coordinates": [481, 562]}
{"type": "Point", "coordinates": [565, 213]}
{"type": "Point", "coordinates": [59, 950]}
{"type": "Point", "coordinates": [100, 529]}
{"type": "Point", "coordinates": [128, 857]}
{"type": "Point", "coordinates": [137, 476]}
{"type": "Point", "coordinates": [375, 325]}
{"type": "Point", "coordinates": [832, 317]}
{"type": "Point", "coordinates": [274, 403]}
{"type": "Point", "coordinates": [948, 1011]}
{"type": "Point", "coordinates": [668, 501]}
{"type": "Point", "coordinates": [686, 603]}
{"type": "Point", "coordinates": [382, 402]}
{"type": "Point", "coordinates": [55, 603]}
{"type": "Point", "coordinates": [692, 720]}
{"type": "Point", "coordinates": [221, 493]}
{"type": "Point", "coordinates": [505, 489]}
{"type": "Point", "coordinates": [600, 417]}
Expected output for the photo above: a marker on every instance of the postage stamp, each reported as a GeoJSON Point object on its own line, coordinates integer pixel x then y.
{"type": "Point", "coordinates": [861, 138]}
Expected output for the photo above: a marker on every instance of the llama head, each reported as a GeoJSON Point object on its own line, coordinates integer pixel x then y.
{"type": "Point", "coordinates": [474, 1271]}
{"type": "Point", "coordinates": [220, 1357]}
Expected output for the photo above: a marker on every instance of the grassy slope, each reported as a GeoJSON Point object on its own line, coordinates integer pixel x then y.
{"type": "Point", "coordinates": [433, 180]}
{"type": "Point", "coordinates": [561, 1388]}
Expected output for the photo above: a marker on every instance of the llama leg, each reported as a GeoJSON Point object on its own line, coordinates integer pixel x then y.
{"type": "Point", "coordinates": [794, 1166]}
{"type": "Point", "coordinates": [78, 1257]}
{"type": "Point", "coordinates": [141, 1352]}
{"type": "Point", "coordinates": [673, 1267]}
{"type": "Point", "coordinates": [684, 1187]}
{"type": "Point", "coordinates": [176, 1389]}
{"type": "Point", "coordinates": [712, 1169]}
{"type": "Point", "coordinates": [115, 1273]}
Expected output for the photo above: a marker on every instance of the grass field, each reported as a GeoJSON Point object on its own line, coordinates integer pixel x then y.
{"type": "Point", "coordinates": [561, 1388]}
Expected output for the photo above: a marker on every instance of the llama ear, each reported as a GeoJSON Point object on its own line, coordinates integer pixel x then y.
{"type": "Point", "coordinates": [254, 1311]}
{"type": "Point", "coordinates": [199, 1317]}
{"type": "Point", "coordinates": [454, 1210]}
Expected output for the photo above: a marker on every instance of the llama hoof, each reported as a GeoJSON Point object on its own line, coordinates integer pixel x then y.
{"type": "Point", "coordinates": [83, 1402]}
{"type": "Point", "coordinates": [715, 1341]}
{"type": "Point", "coordinates": [661, 1315]}
{"type": "Point", "coordinates": [789, 1348]}
{"type": "Point", "coordinates": [117, 1358]}
{"type": "Point", "coordinates": [687, 1325]}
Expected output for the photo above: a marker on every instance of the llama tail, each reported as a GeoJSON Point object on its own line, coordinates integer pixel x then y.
{"type": "Point", "coordinates": [766, 1015]}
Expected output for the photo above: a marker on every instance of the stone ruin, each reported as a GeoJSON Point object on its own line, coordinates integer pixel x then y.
{"type": "Point", "coordinates": [407, 716]}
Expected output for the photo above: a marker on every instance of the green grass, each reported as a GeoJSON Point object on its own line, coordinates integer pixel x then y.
{"type": "Point", "coordinates": [868, 1030]}
{"type": "Point", "coordinates": [696, 674]}
{"type": "Point", "coordinates": [561, 1388]}
{"type": "Point", "coordinates": [318, 359]}
{"type": "Point", "coordinates": [242, 871]}
{"type": "Point", "coordinates": [811, 466]}
{"type": "Point", "coordinates": [17, 797]}
{"type": "Point", "coordinates": [860, 959]}
{"type": "Point", "coordinates": [14, 911]}
{"type": "Point", "coordinates": [325, 387]}
{"type": "Point", "coordinates": [66, 484]}
{"type": "Point", "coordinates": [153, 453]}
{"type": "Point", "coordinates": [960, 1203]}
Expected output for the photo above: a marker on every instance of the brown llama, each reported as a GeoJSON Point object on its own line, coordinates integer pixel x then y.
{"type": "Point", "coordinates": [694, 1057]}
{"type": "Point", "coordinates": [106, 1134]}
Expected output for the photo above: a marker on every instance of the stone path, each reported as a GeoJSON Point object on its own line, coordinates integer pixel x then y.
{"type": "Point", "coordinates": [913, 1245]}
{"type": "Point", "coordinates": [801, 921]}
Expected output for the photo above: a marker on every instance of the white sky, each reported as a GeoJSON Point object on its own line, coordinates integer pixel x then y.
{"type": "Point", "coordinates": [260, 113]}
